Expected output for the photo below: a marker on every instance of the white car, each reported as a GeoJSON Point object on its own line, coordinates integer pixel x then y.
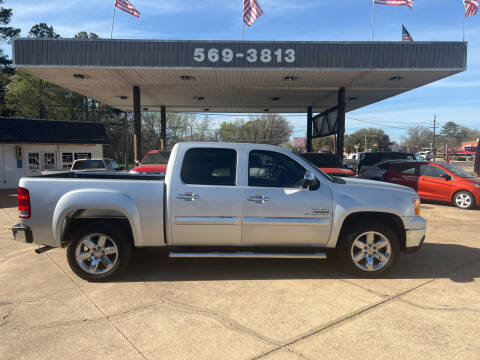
{"type": "Point", "coordinates": [375, 172]}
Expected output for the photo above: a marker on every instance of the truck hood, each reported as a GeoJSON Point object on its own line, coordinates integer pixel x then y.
{"type": "Point", "coordinates": [363, 184]}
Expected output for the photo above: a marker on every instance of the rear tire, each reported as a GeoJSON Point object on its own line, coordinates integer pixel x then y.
{"type": "Point", "coordinates": [464, 200]}
{"type": "Point", "coordinates": [99, 252]}
{"type": "Point", "coordinates": [368, 249]}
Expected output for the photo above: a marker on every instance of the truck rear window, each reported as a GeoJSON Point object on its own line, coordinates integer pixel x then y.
{"type": "Point", "coordinates": [88, 164]}
{"type": "Point", "coordinates": [209, 166]}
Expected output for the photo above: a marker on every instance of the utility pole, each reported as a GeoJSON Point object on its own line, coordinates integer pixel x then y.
{"type": "Point", "coordinates": [434, 137]}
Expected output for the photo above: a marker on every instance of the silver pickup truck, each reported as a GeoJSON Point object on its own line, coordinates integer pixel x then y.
{"type": "Point", "coordinates": [220, 200]}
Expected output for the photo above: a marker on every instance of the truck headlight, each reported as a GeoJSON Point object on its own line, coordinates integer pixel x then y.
{"type": "Point", "coordinates": [416, 206]}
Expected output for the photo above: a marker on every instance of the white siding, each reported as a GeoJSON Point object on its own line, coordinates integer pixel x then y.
{"type": "Point", "coordinates": [10, 174]}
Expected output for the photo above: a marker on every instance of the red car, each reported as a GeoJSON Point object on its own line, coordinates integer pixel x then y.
{"type": "Point", "coordinates": [437, 181]}
{"type": "Point", "coordinates": [329, 163]}
{"type": "Point", "coordinates": [154, 162]}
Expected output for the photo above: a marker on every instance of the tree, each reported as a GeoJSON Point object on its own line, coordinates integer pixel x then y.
{"type": "Point", "coordinates": [43, 31]}
{"type": "Point", "coordinates": [6, 69]}
{"type": "Point", "coordinates": [265, 129]}
{"type": "Point", "coordinates": [370, 138]}
{"type": "Point", "coordinates": [85, 35]}
{"type": "Point", "coordinates": [420, 136]}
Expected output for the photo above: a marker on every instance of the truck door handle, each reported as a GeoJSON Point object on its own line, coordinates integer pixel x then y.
{"type": "Point", "coordinates": [259, 199]}
{"type": "Point", "coordinates": [188, 196]}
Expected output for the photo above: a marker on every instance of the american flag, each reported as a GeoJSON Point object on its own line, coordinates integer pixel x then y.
{"type": "Point", "coordinates": [471, 7]}
{"type": "Point", "coordinates": [476, 168]}
{"type": "Point", "coordinates": [126, 6]}
{"type": "Point", "coordinates": [405, 34]}
{"type": "Point", "coordinates": [251, 11]}
{"type": "Point", "coordinates": [395, 2]}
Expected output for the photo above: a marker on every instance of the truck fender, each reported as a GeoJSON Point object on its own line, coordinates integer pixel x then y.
{"type": "Point", "coordinates": [347, 206]}
{"type": "Point", "coordinates": [96, 199]}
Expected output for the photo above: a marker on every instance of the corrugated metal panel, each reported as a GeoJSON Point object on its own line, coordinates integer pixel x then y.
{"type": "Point", "coordinates": [326, 55]}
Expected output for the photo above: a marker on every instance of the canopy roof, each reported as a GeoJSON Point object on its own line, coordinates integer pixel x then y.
{"type": "Point", "coordinates": [238, 76]}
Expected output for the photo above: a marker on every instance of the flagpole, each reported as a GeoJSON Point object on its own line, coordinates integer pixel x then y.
{"type": "Point", "coordinates": [373, 17]}
{"type": "Point", "coordinates": [464, 12]}
{"type": "Point", "coordinates": [113, 21]}
{"type": "Point", "coordinates": [243, 22]}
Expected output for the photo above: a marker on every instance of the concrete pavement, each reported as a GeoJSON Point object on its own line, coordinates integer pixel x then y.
{"type": "Point", "coordinates": [245, 309]}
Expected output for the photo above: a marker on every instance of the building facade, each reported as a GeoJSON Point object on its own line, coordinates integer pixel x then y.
{"type": "Point", "coordinates": [28, 146]}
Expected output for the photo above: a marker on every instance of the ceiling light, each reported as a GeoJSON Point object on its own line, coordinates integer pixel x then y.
{"type": "Point", "coordinates": [266, 110]}
{"type": "Point", "coordinates": [275, 99]}
{"type": "Point", "coordinates": [145, 109]}
{"type": "Point", "coordinates": [123, 97]}
{"type": "Point", "coordinates": [187, 77]}
{"type": "Point", "coordinates": [396, 78]}
{"type": "Point", "coordinates": [206, 109]}
{"type": "Point", "coordinates": [199, 98]}
{"type": "Point", "coordinates": [290, 78]}
{"type": "Point", "coordinates": [79, 76]}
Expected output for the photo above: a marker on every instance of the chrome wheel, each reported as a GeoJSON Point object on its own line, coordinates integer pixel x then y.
{"type": "Point", "coordinates": [96, 253]}
{"type": "Point", "coordinates": [463, 200]}
{"type": "Point", "coordinates": [371, 251]}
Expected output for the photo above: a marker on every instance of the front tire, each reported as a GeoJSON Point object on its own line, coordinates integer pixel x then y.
{"type": "Point", "coordinates": [98, 252]}
{"type": "Point", "coordinates": [464, 200]}
{"type": "Point", "coordinates": [368, 249]}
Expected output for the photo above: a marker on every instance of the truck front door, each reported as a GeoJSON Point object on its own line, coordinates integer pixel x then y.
{"type": "Point", "coordinates": [206, 199]}
{"type": "Point", "coordinates": [277, 210]}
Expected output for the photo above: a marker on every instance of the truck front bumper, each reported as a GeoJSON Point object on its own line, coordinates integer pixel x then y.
{"type": "Point", "coordinates": [415, 231]}
{"type": "Point", "coordinates": [22, 233]}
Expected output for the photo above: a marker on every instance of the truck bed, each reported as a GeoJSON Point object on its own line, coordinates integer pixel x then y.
{"type": "Point", "coordinates": [101, 175]}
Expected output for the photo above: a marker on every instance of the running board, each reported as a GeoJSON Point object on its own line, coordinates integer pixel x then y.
{"type": "Point", "coordinates": [246, 255]}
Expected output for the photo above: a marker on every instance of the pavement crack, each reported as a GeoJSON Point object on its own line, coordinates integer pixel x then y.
{"type": "Point", "coordinates": [223, 319]}
{"type": "Point", "coordinates": [446, 308]}
{"type": "Point", "coordinates": [100, 310]}
{"type": "Point", "coordinates": [4, 317]}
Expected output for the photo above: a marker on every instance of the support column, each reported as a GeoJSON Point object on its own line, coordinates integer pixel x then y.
{"type": "Point", "coordinates": [137, 125]}
{"type": "Point", "coordinates": [309, 128]}
{"type": "Point", "coordinates": [163, 130]}
{"type": "Point", "coordinates": [341, 122]}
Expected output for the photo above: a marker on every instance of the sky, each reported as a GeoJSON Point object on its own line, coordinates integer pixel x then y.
{"type": "Point", "coordinates": [453, 99]}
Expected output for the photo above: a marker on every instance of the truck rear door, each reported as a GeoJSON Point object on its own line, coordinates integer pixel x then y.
{"type": "Point", "coordinates": [206, 196]}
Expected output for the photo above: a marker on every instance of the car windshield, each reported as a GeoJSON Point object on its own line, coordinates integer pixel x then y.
{"type": "Point", "coordinates": [156, 158]}
{"type": "Point", "coordinates": [324, 160]}
{"type": "Point", "coordinates": [114, 165]}
{"type": "Point", "coordinates": [457, 171]}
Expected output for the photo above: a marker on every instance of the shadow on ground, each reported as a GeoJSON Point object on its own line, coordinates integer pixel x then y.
{"type": "Point", "coordinates": [432, 261]}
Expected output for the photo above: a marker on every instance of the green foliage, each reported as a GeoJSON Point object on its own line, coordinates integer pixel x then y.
{"type": "Point", "coordinates": [43, 31]}
{"type": "Point", "coordinates": [85, 35]}
{"type": "Point", "coordinates": [265, 129]}
{"type": "Point", "coordinates": [370, 138]}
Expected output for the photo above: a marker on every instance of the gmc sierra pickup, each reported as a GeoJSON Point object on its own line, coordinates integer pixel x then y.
{"type": "Point", "coordinates": [220, 200]}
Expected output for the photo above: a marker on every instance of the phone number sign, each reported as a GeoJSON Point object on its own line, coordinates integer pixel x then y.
{"type": "Point", "coordinates": [226, 55]}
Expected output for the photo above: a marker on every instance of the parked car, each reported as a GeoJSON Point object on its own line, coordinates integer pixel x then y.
{"type": "Point", "coordinates": [425, 155]}
{"type": "Point", "coordinates": [375, 172]}
{"type": "Point", "coordinates": [437, 181]}
{"type": "Point", "coordinates": [154, 162]}
{"type": "Point", "coordinates": [372, 158]}
{"type": "Point", "coordinates": [328, 163]}
{"type": "Point", "coordinates": [96, 165]}
{"type": "Point", "coordinates": [220, 200]}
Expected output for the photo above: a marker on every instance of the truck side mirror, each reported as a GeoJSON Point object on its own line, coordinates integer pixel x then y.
{"type": "Point", "coordinates": [308, 180]}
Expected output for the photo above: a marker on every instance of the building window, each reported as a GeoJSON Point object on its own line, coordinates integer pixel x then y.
{"type": "Point", "coordinates": [83, 156]}
{"type": "Point", "coordinates": [49, 161]}
{"type": "Point", "coordinates": [67, 160]}
{"type": "Point", "coordinates": [33, 161]}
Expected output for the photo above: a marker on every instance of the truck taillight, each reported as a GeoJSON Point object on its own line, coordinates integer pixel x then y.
{"type": "Point", "coordinates": [23, 197]}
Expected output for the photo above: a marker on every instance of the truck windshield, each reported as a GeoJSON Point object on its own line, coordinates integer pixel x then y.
{"type": "Point", "coordinates": [88, 164]}
{"type": "Point", "coordinates": [156, 158]}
